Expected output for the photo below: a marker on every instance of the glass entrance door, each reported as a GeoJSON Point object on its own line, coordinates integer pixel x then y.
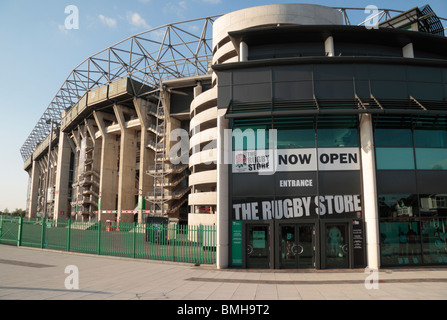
{"type": "Point", "coordinates": [258, 246]}
{"type": "Point", "coordinates": [297, 246]}
{"type": "Point", "coordinates": [337, 245]}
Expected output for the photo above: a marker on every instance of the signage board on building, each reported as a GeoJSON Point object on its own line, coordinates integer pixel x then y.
{"type": "Point", "coordinates": [298, 207]}
{"type": "Point", "coordinates": [295, 160]}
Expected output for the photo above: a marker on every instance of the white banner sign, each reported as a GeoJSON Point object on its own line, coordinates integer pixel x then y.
{"type": "Point", "coordinates": [299, 207]}
{"type": "Point", "coordinates": [296, 160]}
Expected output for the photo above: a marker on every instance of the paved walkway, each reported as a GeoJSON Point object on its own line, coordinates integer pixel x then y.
{"type": "Point", "coordinates": [34, 274]}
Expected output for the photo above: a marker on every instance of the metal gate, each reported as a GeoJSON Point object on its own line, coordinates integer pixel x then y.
{"type": "Point", "coordinates": [9, 230]}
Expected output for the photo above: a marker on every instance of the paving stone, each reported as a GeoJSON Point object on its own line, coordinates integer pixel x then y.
{"type": "Point", "coordinates": [35, 274]}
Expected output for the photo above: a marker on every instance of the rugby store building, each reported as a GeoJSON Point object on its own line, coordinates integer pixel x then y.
{"type": "Point", "coordinates": [337, 137]}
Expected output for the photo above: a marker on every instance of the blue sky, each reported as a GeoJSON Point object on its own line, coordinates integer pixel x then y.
{"type": "Point", "coordinates": [37, 54]}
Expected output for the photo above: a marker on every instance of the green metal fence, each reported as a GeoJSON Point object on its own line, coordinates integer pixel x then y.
{"type": "Point", "coordinates": [172, 242]}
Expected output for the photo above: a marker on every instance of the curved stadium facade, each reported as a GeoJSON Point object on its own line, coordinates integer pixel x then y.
{"type": "Point", "coordinates": [308, 142]}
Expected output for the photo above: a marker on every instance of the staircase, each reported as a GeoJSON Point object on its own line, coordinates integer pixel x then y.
{"type": "Point", "coordinates": [169, 192]}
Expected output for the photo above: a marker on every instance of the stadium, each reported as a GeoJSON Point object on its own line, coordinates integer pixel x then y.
{"type": "Point", "coordinates": [309, 142]}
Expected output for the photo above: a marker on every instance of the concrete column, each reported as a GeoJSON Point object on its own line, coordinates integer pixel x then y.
{"type": "Point", "coordinates": [61, 205]}
{"type": "Point", "coordinates": [329, 46]}
{"type": "Point", "coordinates": [126, 178]}
{"type": "Point", "coordinates": [370, 202]}
{"type": "Point", "coordinates": [408, 51]}
{"type": "Point", "coordinates": [147, 156]}
{"type": "Point", "coordinates": [198, 90]}
{"type": "Point", "coordinates": [243, 52]}
{"type": "Point", "coordinates": [34, 189]}
{"type": "Point", "coordinates": [75, 148]}
{"type": "Point", "coordinates": [96, 156]}
{"type": "Point", "coordinates": [50, 181]}
{"type": "Point", "coordinates": [415, 26]}
{"type": "Point", "coordinates": [223, 211]}
{"type": "Point", "coordinates": [108, 174]}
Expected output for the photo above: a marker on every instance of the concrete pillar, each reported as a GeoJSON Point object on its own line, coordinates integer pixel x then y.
{"type": "Point", "coordinates": [408, 51]}
{"type": "Point", "coordinates": [96, 156]}
{"type": "Point", "coordinates": [415, 26]}
{"type": "Point", "coordinates": [76, 139]}
{"type": "Point", "coordinates": [198, 90]}
{"type": "Point", "coordinates": [61, 205]}
{"type": "Point", "coordinates": [128, 158]}
{"type": "Point", "coordinates": [147, 156]}
{"type": "Point", "coordinates": [108, 174]}
{"type": "Point", "coordinates": [370, 202]}
{"type": "Point", "coordinates": [34, 189]}
{"type": "Point", "coordinates": [329, 46]}
{"type": "Point", "coordinates": [223, 211]}
{"type": "Point", "coordinates": [243, 52]}
{"type": "Point", "coordinates": [50, 181]}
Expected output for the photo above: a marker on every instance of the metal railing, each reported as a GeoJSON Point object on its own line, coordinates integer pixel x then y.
{"type": "Point", "coordinates": [172, 242]}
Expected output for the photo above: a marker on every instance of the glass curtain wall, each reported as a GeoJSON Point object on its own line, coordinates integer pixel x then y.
{"type": "Point", "coordinates": [313, 192]}
{"type": "Point", "coordinates": [412, 215]}
{"type": "Point", "coordinates": [297, 138]}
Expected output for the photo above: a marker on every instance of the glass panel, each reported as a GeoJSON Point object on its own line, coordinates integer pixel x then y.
{"type": "Point", "coordinates": [431, 132]}
{"type": "Point", "coordinates": [251, 138]}
{"type": "Point", "coordinates": [337, 131]}
{"type": "Point", "coordinates": [398, 206]}
{"type": "Point", "coordinates": [430, 138]}
{"type": "Point", "coordinates": [395, 158]}
{"type": "Point", "coordinates": [296, 246]}
{"type": "Point", "coordinates": [393, 137]}
{"type": "Point", "coordinates": [251, 133]}
{"type": "Point", "coordinates": [400, 243]}
{"type": "Point", "coordinates": [433, 205]}
{"type": "Point", "coordinates": [288, 248]}
{"type": "Point", "coordinates": [295, 132]}
{"type": "Point", "coordinates": [431, 159]}
{"type": "Point", "coordinates": [337, 249]}
{"type": "Point", "coordinates": [434, 241]}
{"type": "Point", "coordinates": [258, 247]}
{"type": "Point", "coordinates": [338, 138]}
{"type": "Point", "coordinates": [295, 138]}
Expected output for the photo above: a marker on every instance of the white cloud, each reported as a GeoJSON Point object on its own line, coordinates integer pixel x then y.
{"type": "Point", "coordinates": [194, 28]}
{"type": "Point", "coordinates": [136, 20]}
{"type": "Point", "coordinates": [212, 1]}
{"type": "Point", "coordinates": [177, 8]}
{"type": "Point", "coordinates": [62, 29]}
{"type": "Point", "coordinates": [183, 5]}
{"type": "Point", "coordinates": [110, 22]}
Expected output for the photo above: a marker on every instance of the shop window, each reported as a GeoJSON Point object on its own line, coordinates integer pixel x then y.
{"type": "Point", "coordinates": [398, 206]}
{"type": "Point", "coordinates": [250, 139]}
{"type": "Point", "coordinates": [395, 158]}
{"type": "Point", "coordinates": [434, 240]}
{"type": "Point", "coordinates": [295, 138]}
{"type": "Point", "coordinates": [430, 138]}
{"type": "Point", "coordinates": [393, 137]}
{"type": "Point", "coordinates": [338, 138]}
{"type": "Point", "coordinates": [400, 243]}
{"type": "Point", "coordinates": [295, 132]}
{"type": "Point", "coordinates": [433, 205]}
{"type": "Point", "coordinates": [337, 131]}
{"type": "Point", "coordinates": [431, 159]}
{"type": "Point", "coordinates": [251, 134]}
